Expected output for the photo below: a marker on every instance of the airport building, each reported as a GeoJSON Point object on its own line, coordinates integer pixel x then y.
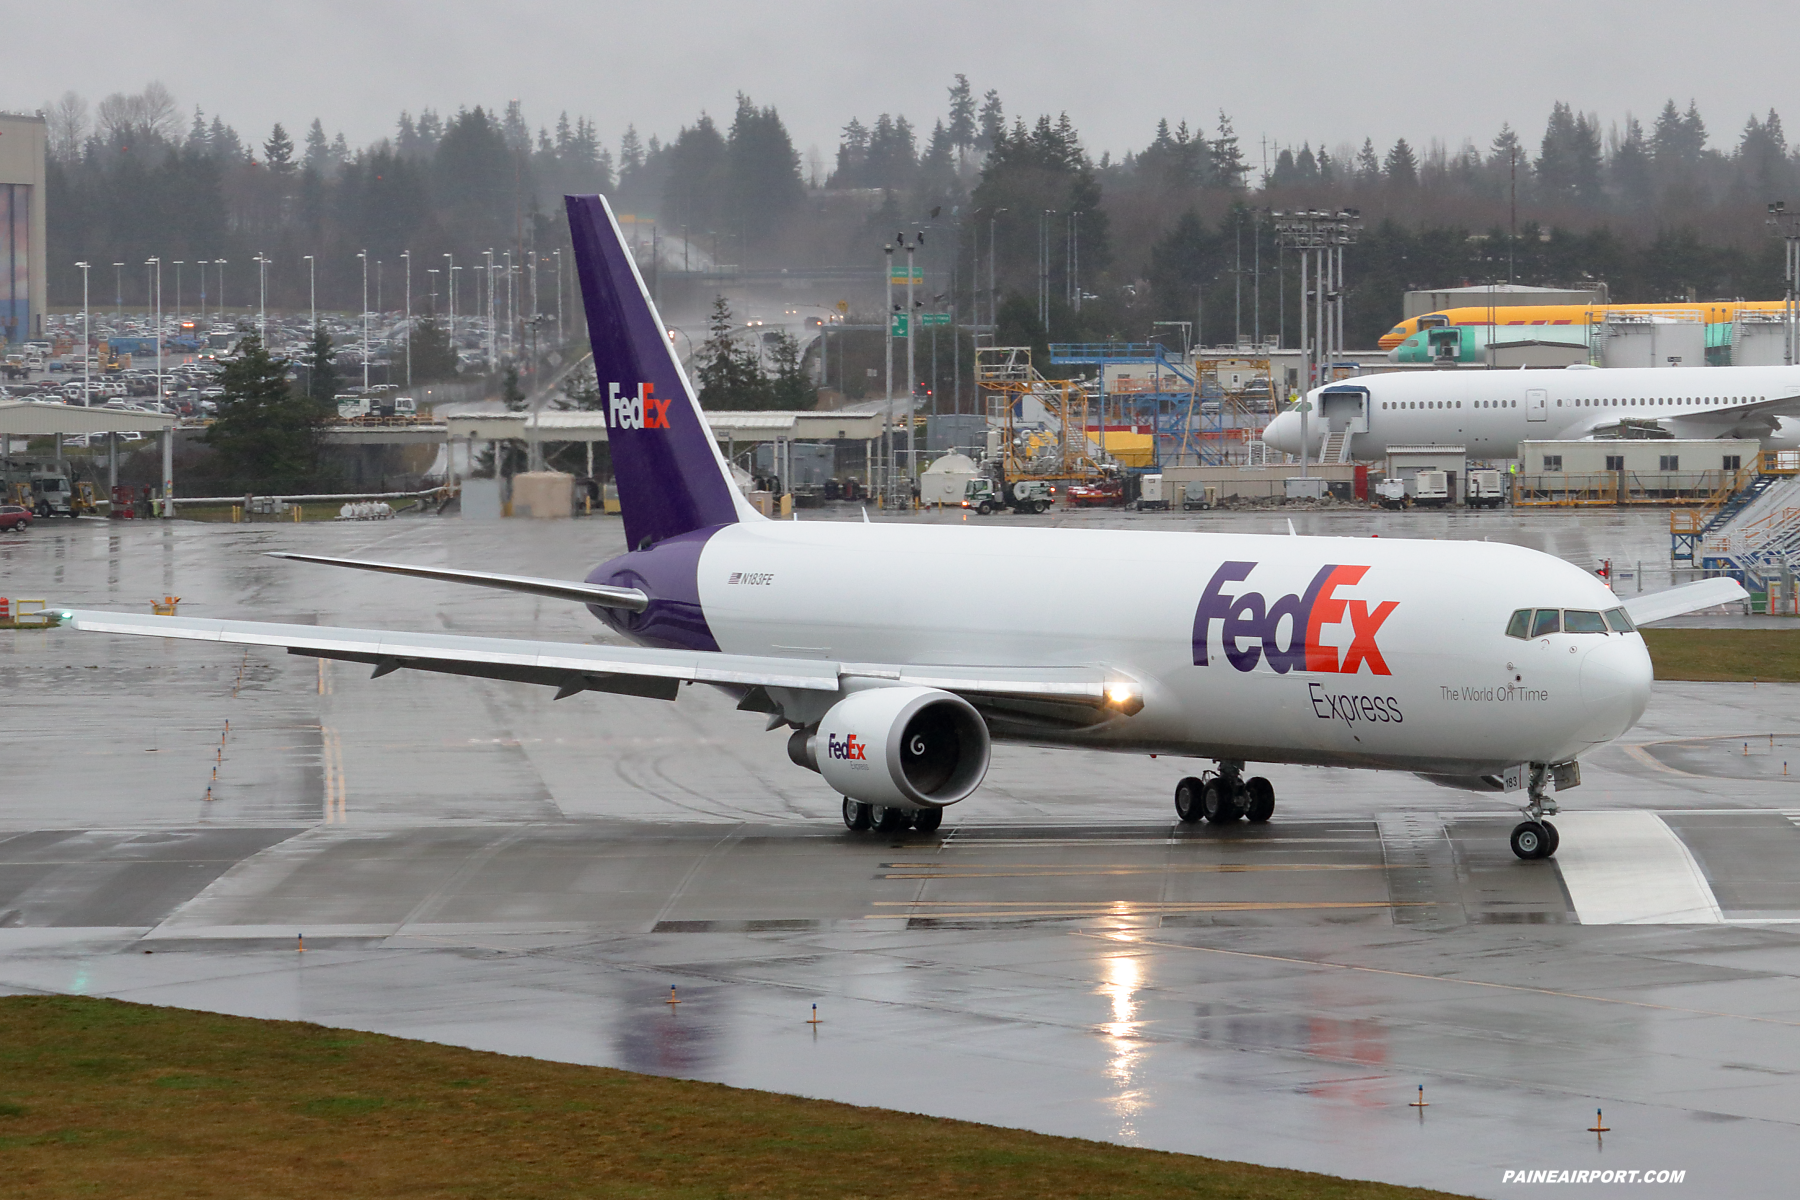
{"type": "Point", "coordinates": [23, 270]}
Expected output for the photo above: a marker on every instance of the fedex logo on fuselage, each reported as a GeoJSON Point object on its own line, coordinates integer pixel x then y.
{"type": "Point", "coordinates": [642, 411]}
{"type": "Point", "coordinates": [1251, 625]}
{"type": "Point", "coordinates": [849, 749]}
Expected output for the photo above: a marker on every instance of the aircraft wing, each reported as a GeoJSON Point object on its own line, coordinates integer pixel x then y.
{"type": "Point", "coordinates": [1689, 597]}
{"type": "Point", "coordinates": [1057, 694]}
{"type": "Point", "coordinates": [1754, 419]}
{"type": "Point", "coordinates": [629, 599]}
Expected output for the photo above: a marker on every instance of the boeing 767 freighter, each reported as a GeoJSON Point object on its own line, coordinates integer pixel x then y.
{"type": "Point", "coordinates": [1477, 665]}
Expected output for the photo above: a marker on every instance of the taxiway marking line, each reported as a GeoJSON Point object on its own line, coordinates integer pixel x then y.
{"type": "Point", "coordinates": [1475, 983]}
{"type": "Point", "coordinates": [1101, 908]}
{"type": "Point", "coordinates": [1644, 756]}
{"type": "Point", "coordinates": [1077, 873]}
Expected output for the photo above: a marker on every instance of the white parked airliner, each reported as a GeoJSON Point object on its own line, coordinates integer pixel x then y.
{"type": "Point", "coordinates": [896, 653]}
{"type": "Point", "coordinates": [1491, 412]}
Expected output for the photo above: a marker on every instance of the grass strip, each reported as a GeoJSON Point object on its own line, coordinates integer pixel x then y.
{"type": "Point", "coordinates": [1727, 655]}
{"type": "Point", "coordinates": [101, 1097]}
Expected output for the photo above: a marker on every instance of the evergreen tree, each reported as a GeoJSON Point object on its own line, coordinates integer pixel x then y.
{"type": "Point", "coordinates": [962, 115]}
{"type": "Point", "coordinates": [993, 122]}
{"type": "Point", "coordinates": [762, 170]}
{"type": "Point", "coordinates": [196, 138]}
{"type": "Point", "coordinates": [694, 190]}
{"type": "Point", "coordinates": [1506, 149]}
{"type": "Point", "coordinates": [1631, 166]}
{"type": "Point", "coordinates": [1402, 165]}
{"type": "Point", "coordinates": [511, 393]}
{"type": "Point", "coordinates": [265, 437]}
{"type": "Point", "coordinates": [791, 387]}
{"type": "Point", "coordinates": [433, 357]}
{"type": "Point", "coordinates": [631, 154]}
{"type": "Point", "coordinates": [318, 150]}
{"type": "Point", "coordinates": [278, 151]}
{"type": "Point", "coordinates": [1226, 160]}
{"type": "Point", "coordinates": [730, 374]}
{"type": "Point", "coordinates": [322, 380]}
{"type": "Point", "coordinates": [1368, 164]}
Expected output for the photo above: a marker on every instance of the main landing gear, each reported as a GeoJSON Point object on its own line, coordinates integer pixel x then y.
{"type": "Point", "coordinates": [1223, 796]}
{"type": "Point", "coordinates": [859, 816]}
{"type": "Point", "coordinates": [1535, 837]}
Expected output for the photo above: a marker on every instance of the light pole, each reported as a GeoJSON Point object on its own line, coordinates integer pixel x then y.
{"type": "Point", "coordinates": [118, 294]}
{"type": "Point", "coordinates": [312, 289]}
{"type": "Point", "coordinates": [887, 432]}
{"type": "Point", "coordinates": [198, 332]}
{"type": "Point", "coordinates": [407, 255]}
{"type": "Point", "coordinates": [87, 337]}
{"type": "Point", "coordinates": [1786, 225]}
{"type": "Point", "coordinates": [488, 330]}
{"type": "Point", "coordinates": [364, 255]}
{"type": "Point", "coordinates": [912, 386]}
{"type": "Point", "coordinates": [220, 263]}
{"type": "Point", "coordinates": [262, 298]}
{"type": "Point", "coordinates": [178, 263]}
{"type": "Point", "coordinates": [450, 286]}
{"type": "Point", "coordinates": [562, 337]}
{"type": "Point", "coordinates": [434, 272]}
{"type": "Point", "coordinates": [156, 263]}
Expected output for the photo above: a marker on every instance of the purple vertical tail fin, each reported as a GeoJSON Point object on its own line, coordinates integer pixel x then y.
{"type": "Point", "coordinates": [671, 477]}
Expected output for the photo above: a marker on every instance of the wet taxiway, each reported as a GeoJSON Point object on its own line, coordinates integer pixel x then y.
{"type": "Point", "coordinates": [475, 863]}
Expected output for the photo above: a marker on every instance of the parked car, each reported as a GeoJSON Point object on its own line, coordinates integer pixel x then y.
{"type": "Point", "coordinates": [13, 518]}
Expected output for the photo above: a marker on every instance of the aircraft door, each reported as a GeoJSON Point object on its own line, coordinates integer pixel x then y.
{"type": "Point", "coordinates": [1537, 404]}
{"type": "Point", "coordinates": [1345, 409]}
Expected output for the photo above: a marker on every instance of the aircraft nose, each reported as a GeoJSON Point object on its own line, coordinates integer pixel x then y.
{"type": "Point", "coordinates": [1615, 684]}
{"type": "Point", "coordinates": [1283, 433]}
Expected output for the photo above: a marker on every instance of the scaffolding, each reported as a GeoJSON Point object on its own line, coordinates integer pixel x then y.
{"type": "Point", "coordinates": [1194, 417]}
{"type": "Point", "coordinates": [1042, 422]}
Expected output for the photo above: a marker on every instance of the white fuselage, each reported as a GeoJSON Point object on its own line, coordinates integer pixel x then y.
{"type": "Point", "coordinates": [1490, 412]}
{"type": "Point", "coordinates": [1445, 690]}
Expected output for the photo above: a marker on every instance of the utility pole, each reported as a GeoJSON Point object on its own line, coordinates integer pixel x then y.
{"type": "Point", "coordinates": [450, 295]}
{"type": "Point", "coordinates": [993, 293]}
{"type": "Point", "coordinates": [262, 297]}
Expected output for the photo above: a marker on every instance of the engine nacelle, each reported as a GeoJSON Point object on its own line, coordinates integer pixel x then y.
{"type": "Point", "coordinates": [901, 747]}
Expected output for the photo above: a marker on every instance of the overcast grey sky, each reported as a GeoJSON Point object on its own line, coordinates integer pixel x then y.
{"type": "Point", "coordinates": [1324, 72]}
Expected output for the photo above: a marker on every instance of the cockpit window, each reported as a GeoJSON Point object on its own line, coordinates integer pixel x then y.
{"type": "Point", "coordinates": [1583, 622]}
{"type": "Point", "coordinates": [1620, 620]}
{"type": "Point", "coordinates": [1520, 625]}
{"type": "Point", "coordinates": [1549, 620]}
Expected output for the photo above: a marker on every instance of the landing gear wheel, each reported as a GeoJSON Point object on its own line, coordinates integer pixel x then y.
{"type": "Point", "coordinates": [856, 815]}
{"type": "Point", "coordinates": [888, 820]}
{"type": "Point", "coordinates": [1532, 839]}
{"type": "Point", "coordinates": [1555, 838]}
{"type": "Point", "coordinates": [1188, 800]}
{"type": "Point", "coordinates": [927, 820]}
{"type": "Point", "coordinates": [1262, 800]}
{"type": "Point", "coordinates": [1220, 802]}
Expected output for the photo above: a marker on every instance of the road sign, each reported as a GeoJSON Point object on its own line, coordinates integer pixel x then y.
{"type": "Point", "coordinates": [934, 318]}
{"type": "Point", "coordinates": [898, 327]}
{"type": "Point", "coordinates": [897, 276]}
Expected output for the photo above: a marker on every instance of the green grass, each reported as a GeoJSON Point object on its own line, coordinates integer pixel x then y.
{"type": "Point", "coordinates": [99, 1097]}
{"type": "Point", "coordinates": [1769, 655]}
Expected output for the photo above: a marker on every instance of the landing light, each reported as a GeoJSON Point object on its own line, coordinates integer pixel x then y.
{"type": "Point", "coordinates": [1124, 697]}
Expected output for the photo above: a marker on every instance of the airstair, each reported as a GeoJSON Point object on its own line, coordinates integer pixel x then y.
{"type": "Point", "coordinates": [1053, 446]}
{"type": "Point", "coordinates": [1336, 448]}
{"type": "Point", "coordinates": [1751, 532]}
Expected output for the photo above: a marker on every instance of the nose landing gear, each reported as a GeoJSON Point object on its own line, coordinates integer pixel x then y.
{"type": "Point", "coordinates": [1535, 837]}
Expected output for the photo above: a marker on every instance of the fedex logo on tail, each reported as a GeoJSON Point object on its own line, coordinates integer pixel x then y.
{"type": "Point", "coordinates": [849, 749]}
{"type": "Point", "coordinates": [642, 411]}
{"type": "Point", "coordinates": [1252, 625]}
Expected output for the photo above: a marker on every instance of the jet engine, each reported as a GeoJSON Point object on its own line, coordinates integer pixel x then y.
{"type": "Point", "coordinates": [900, 747]}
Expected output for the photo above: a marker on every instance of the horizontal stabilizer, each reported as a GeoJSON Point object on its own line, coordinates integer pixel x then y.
{"type": "Point", "coordinates": [1689, 597]}
{"type": "Point", "coordinates": [629, 599]}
